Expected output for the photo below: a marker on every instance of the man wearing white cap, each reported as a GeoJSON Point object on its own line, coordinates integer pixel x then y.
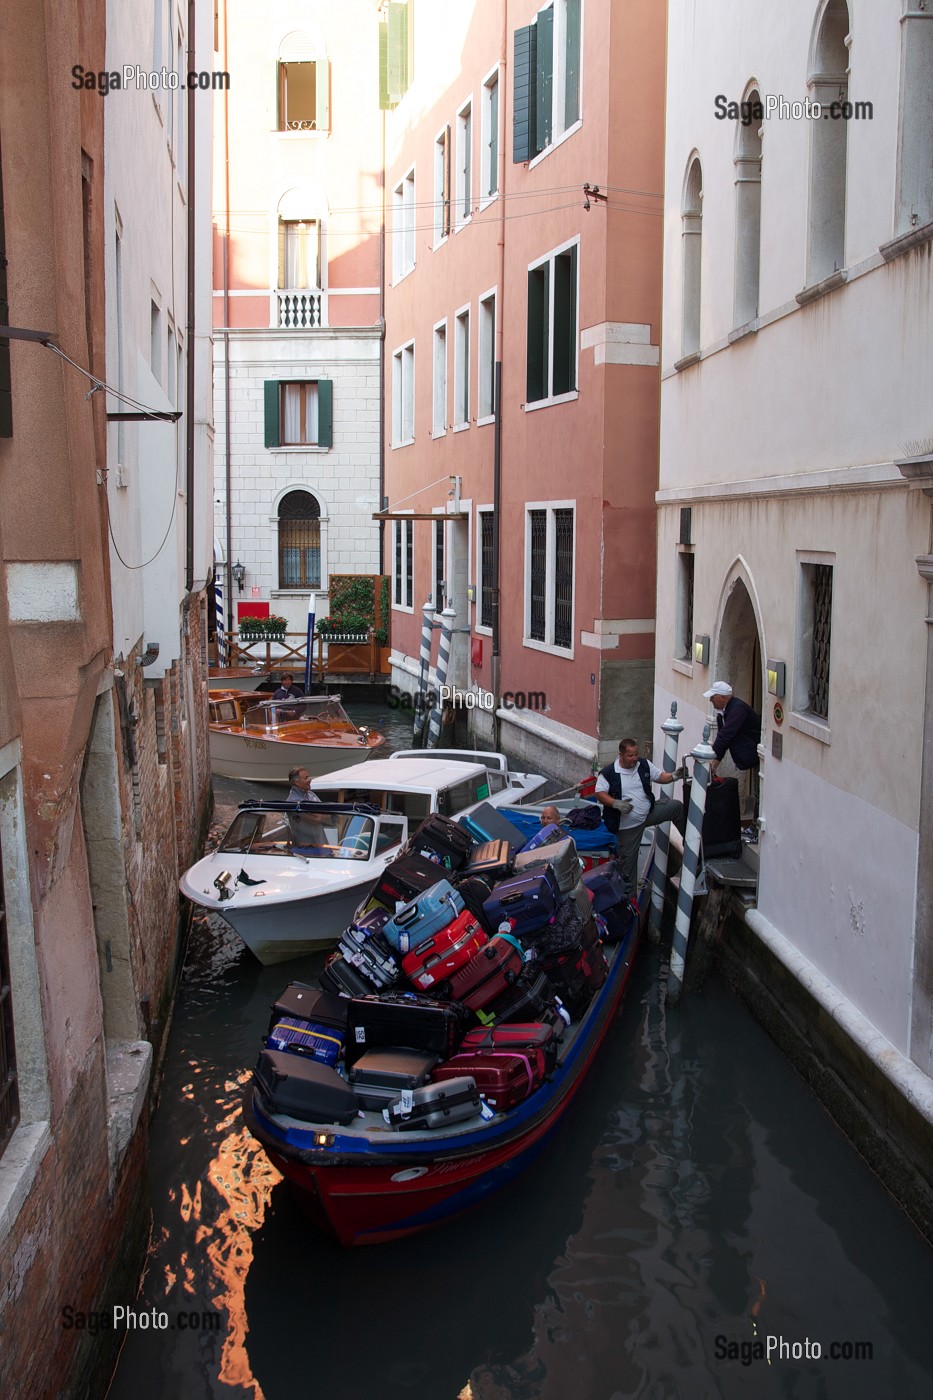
{"type": "Point", "coordinates": [739, 728]}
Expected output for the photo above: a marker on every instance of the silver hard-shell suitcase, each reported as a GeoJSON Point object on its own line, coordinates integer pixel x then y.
{"type": "Point", "coordinates": [561, 856]}
{"type": "Point", "coordinates": [435, 1105]}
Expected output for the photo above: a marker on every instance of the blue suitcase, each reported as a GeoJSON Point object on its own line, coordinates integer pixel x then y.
{"type": "Point", "coordinates": [527, 900]}
{"type": "Point", "coordinates": [606, 886]}
{"type": "Point", "coordinates": [548, 834]}
{"type": "Point", "coordinates": [487, 823]}
{"type": "Point", "coordinates": [298, 1037]}
{"type": "Point", "coordinates": [423, 917]}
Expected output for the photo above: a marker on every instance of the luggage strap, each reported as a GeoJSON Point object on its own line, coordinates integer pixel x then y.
{"type": "Point", "coordinates": [311, 1032]}
{"type": "Point", "coordinates": [510, 938]}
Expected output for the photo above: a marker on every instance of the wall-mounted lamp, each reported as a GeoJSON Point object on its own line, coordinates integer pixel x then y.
{"type": "Point", "coordinates": [777, 674]}
{"type": "Point", "coordinates": [239, 574]}
{"type": "Point", "coordinates": [701, 650]}
{"type": "Point", "coordinates": [471, 592]}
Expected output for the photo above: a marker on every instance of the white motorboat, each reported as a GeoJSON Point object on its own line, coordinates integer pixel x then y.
{"type": "Point", "coordinates": [288, 876]}
{"type": "Point", "coordinates": [261, 740]}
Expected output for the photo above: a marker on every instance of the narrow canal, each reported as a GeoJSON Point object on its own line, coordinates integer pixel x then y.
{"type": "Point", "coordinates": [696, 1201]}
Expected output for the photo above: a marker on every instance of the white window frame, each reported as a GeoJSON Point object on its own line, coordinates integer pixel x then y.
{"type": "Point", "coordinates": [408, 556]}
{"type": "Point", "coordinates": [461, 368]}
{"type": "Point", "coordinates": [572, 394]}
{"type": "Point", "coordinates": [478, 625]}
{"type": "Point", "coordinates": [487, 175]}
{"type": "Point", "coordinates": [439, 401]}
{"type": "Point", "coordinates": [441, 160]}
{"type": "Point", "coordinates": [403, 395]}
{"type": "Point", "coordinates": [801, 717]}
{"type": "Point", "coordinates": [559, 132]}
{"type": "Point", "coordinates": [548, 644]}
{"type": "Point", "coordinates": [486, 357]}
{"type": "Point", "coordinates": [403, 227]}
{"type": "Point", "coordinates": [464, 149]}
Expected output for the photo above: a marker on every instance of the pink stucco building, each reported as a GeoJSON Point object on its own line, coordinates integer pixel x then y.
{"type": "Point", "coordinates": [502, 270]}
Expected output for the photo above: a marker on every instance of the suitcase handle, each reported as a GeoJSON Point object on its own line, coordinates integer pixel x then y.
{"type": "Point", "coordinates": [406, 916]}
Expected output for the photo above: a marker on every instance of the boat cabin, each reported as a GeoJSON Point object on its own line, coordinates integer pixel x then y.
{"type": "Point", "coordinates": [313, 831]}
{"type": "Point", "coordinates": [414, 789]}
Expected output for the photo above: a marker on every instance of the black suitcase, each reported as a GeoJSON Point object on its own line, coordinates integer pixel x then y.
{"type": "Point", "coordinates": [304, 1088]}
{"type": "Point", "coordinates": [474, 890]}
{"type": "Point", "coordinates": [371, 955]}
{"type": "Point", "coordinates": [443, 838]}
{"type": "Point", "coordinates": [344, 980]}
{"type": "Point", "coordinates": [487, 823]}
{"type": "Point", "coordinates": [530, 998]}
{"type": "Point", "coordinates": [404, 879]}
{"type": "Point", "coordinates": [310, 1004]}
{"type": "Point", "coordinates": [404, 1020]}
{"type": "Point", "coordinates": [606, 886]}
{"type": "Point", "coordinates": [564, 930]}
{"type": "Point", "coordinates": [722, 822]}
{"type": "Point", "coordinates": [379, 1077]}
{"type": "Point", "coordinates": [492, 858]}
{"type": "Point", "coordinates": [617, 919]}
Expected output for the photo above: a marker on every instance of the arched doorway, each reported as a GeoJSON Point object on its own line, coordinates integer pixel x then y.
{"type": "Point", "coordinates": [738, 659]}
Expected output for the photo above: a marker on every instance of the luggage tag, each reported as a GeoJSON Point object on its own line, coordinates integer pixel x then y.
{"type": "Point", "coordinates": [407, 1103]}
{"type": "Point", "coordinates": [485, 1111]}
{"type": "Point", "coordinates": [562, 1011]}
{"type": "Point", "coordinates": [359, 1033]}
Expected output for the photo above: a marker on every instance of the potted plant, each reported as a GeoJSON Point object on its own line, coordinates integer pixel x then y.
{"type": "Point", "coordinates": [358, 621]}
{"type": "Point", "coordinates": [262, 629]}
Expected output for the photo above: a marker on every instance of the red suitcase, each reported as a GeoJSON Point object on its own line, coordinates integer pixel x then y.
{"type": "Point", "coordinates": [521, 1036]}
{"type": "Point", "coordinates": [434, 962]}
{"type": "Point", "coordinates": [486, 976]}
{"type": "Point", "coordinates": [503, 1077]}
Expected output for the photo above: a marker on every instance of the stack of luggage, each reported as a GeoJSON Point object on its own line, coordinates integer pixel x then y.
{"type": "Point", "coordinates": [450, 992]}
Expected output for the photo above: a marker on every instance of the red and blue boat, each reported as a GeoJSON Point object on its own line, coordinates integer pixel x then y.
{"type": "Point", "coordinates": [368, 1183]}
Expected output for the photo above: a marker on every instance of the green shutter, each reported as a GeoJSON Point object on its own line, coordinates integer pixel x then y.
{"type": "Point", "coordinates": [322, 94]}
{"type": "Point", "coordinates": [397, 52]}
{"type": "Point", "coordinates": [565, 322]}
{"type": "Point", "coordinates": [271, 391]}
{"type": "Point", "coordinates": [544, 78]}
{"type": "Point", "coordinates": [572, 65]}
{"type": "Point", "coordinates": [383, 66]}
{"type": "Point", "coordinates": [536, 363]}
{"type": "Point", "coordinates": [493, 140]}
{"type": "Point", "coordinates": [325, 413]}
{"type": "Point", "coordinates": [523, 95]}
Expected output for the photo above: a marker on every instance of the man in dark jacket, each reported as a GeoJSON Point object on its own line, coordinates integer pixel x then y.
{"type": "Point", "coordinates": [738, 726]}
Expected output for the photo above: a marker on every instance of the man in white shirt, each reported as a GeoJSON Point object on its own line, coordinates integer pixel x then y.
{"type": "Point", "coordinates": [624, 789]}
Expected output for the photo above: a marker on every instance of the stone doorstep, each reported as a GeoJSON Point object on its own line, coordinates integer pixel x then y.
{"type": "Point", "coordinates": [129, 1067]}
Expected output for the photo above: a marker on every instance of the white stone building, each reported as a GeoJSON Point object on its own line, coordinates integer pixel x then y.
{"type": "Point", "coordinates": [797, 343]}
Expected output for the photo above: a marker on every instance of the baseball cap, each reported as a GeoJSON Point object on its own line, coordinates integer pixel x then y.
{"type": "Point", "coordinates": [717, 688]}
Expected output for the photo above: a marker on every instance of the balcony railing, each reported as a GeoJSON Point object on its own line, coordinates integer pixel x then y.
{"type": "Point", "coordinates": [301, 308]}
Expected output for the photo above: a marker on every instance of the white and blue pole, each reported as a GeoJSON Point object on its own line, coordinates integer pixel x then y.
{"type": "Point", "coordinates": [703, 755]}
{"type": "Point", "coordinates": [309, 658]}
{"type": "Point", "coordinates": [220, 626]}
{"type": "Point", "coordinates": [443, 666]}
{"type": "Point", "coordinates": [424, 667]}
{"type": "Point", "coordinates": [672, 731]}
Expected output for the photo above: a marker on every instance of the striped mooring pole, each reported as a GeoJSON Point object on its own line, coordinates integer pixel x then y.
{"type": "Point", "coordinates": [672, 731]}
{"type": "Point", "coordinates": [424, 667]}
{"type": "Point", "coordinates": [220, 626]}
{"type": "Point", "coordinates": [443, 666]}
{"type": "Point", "coordinates": [309, 645]}
{"type": "Point", "coordinates": [703, 755]}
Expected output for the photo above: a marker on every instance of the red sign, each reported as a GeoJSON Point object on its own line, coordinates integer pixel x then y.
{"type": "Point", "coordinates": [251, 610]}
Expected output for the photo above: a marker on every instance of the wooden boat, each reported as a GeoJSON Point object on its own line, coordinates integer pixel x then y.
{"type": "Point", "coordinates": [368, 1183]}
{"type": "Point", "coordinates": [261, 740]}
{"type": "Point", "coordinates": [287, 896]}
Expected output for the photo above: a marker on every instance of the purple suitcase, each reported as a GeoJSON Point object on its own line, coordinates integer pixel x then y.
{"type": "Point", "coordinates": [528, 901]}
{"type": "Point", "coordinates": [433, 910]}
{"type": "Point", "coordinates": [545, 837]}
{"type": "Point", "coordinates": [606, 886]}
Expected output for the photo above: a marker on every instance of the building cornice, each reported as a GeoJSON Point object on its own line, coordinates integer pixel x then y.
{"type": "Point", "coordinates": [878, 476]}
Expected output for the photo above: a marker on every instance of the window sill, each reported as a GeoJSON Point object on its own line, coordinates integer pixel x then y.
{"type": "Point", "coordinates": [740, 332]}
{"type": "Point", "coordinates": [438, 433]}
{"type": "Point", "coordinates": [399, 278]}
{"type": "Point", "coordinates": [461, 224]}
{"type": "Point", "coordinates": [687, 360]}
{"type": "Point", "coordinates": [488, 199]}
{"type": "Point", "coordinates": [403, 608]}
{"type": "Point", "coordinates": [821, 288]}
{"type": "Point", "coordinates": [684, 667]}
{"type": "Point", "coordinates": [913, 238]}
{"type": "Point", "coordinates": [299, 135]}
{"type": "Point", "coordinates": [816, 728]}
{"type": "Point", "coordinates": [551, 402]}
{"type": "Point", "coordinates": [549, 647]}
{"type": "Point", "coordinates": [486, 419]}
{"type": "Point", "coordinates": [299, 447]}
{"type": "Point", "coordinates": [480, 629]}
{"type": "Point", "coordinates": [406, 442]}
{"type": "Point", "coordinates": [18, 1168]}
{"type": "Point", "coordinates": [460, 427]}
{"type": "Point", "coordinates": [315, 591]}
{"type": "Point", "coordinates": [557, 141]}
{"type": "Point", "coordinates": [439, 243]}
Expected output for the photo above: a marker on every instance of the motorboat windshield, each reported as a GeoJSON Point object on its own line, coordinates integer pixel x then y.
{"type": "Point", "coordinates": [311, 709]}
{"type": "Point", "coordinates": [314, 836]}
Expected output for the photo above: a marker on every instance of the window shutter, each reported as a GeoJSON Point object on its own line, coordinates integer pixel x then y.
{"type": "Point", "coordinates": [322, 94]}
{"type": "Point", "coordinates": [383, 66]}
{"type": "Point", "coordinates": [538, 292]}
{"type": "Point", "coordinates": [572, 68]}
{"type": "Point", "coordinates": [493, 139]}
{"type": "Point", "coordinates": [325, 413]}
{"type": "Point", "coordinates": [283, 260]}
{"type": "Point", "coordinates": [544, 81]}
{"type": "Point", "coordinates": [279, 95]}
{"type": "Point", "coordinates": [565, 322]}
{"type": "Point", "coordinates": [523, 95]}
{"type": "Point", "coordinates": [397, 52]}
{"type": "Point", "coordinates": [446, 180]}
{"type": "Point", "coordinates": [271, 391]}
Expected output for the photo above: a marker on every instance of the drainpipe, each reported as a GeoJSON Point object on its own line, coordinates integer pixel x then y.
{"type": "Point", "coordinates": [189, 375]}
{"type": "Point", "coordinates": [497, 401]}
{"type": "Point", "coordinates": [228, 465]}
{"type": "Point", "coordinates": [382, 350]}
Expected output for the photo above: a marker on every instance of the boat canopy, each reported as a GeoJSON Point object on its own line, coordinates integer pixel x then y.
{"type": "Point", "coordinates": [310, 709]}
{"type": "Point", "coordinates": [304, 832]}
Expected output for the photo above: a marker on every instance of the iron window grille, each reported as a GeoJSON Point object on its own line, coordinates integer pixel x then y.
{"type": "Point", "coordinates": [563, 578]}
{"type": "Point", "coordinates": [538, 579]}
{"type": "Point", "coordinates": [822, 638]}
{"type": "Point", "coordinates": [486, 568]}
{"type": "Point", "coordinates": [299, 541]}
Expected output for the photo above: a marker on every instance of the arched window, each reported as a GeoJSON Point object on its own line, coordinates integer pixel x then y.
{"type": "Point", "coordinates": [299, 541]}
{"type": "Point", "coordinates": [748, 210]}
{"type": "Point", "coordinates": [915, 165]}
{"type": "Point", "coordinates": [828, 83]}
{"type": "Point", "coordinates": [303, 75]}
{"type": "Point", "coordinates": [693, 246]}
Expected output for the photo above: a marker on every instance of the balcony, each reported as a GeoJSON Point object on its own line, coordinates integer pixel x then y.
{"type": "Point", "coordinates": [300, 308]}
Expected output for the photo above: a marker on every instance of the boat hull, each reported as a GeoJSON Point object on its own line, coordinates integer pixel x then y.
{"type": "Point", "coordinates": [278, 932]}
{"type": "Point", "coordinates": [397, 1187]}
{"type": "Point", "coordinates": [268, 760]}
